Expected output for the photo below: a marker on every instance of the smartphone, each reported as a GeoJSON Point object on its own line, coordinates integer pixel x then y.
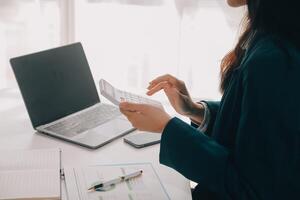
{"type": "Point", "coordinates": [143, 139]}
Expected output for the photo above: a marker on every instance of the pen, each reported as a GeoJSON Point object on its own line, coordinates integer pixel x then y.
{"type": "Point", "coordinates": [116, 180]}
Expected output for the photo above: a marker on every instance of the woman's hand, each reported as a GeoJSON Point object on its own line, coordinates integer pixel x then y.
{"type": "Point", "coordinates": [145, 117]}
{"type": "Point", "coordinates": [178, 96]}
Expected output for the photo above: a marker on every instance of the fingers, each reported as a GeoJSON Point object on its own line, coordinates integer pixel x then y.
{"type": "Point", "coordinates": [173, 82]}
{"type": "Point", "coordinates": [169, 78]}
{"type": "Point", "coordinates": [130, 110]}
{"type": "Point", "coordinates": [128, 114]}
{"type": "Point", "coordinates": [132, 107]}
{"type": "Point", "coordinates": [158, 87]}
{"type": "Point", "coordinates": [131, 116]}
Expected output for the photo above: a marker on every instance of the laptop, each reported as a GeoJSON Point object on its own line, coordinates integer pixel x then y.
{"type": "Point", "coordinates": [61, 98]}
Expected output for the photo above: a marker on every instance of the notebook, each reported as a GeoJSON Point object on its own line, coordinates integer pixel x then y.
{"type": "Point", "coordinates": [145, 187]}
{"type": "Point", "coordinates": [30, 174]}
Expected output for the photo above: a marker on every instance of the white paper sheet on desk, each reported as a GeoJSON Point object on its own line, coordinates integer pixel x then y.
{"type": "Point", "coordinates": [29, 159]}
{"type": "Point", "coordinates": [29, 184]}
{"type": "Point", "coordinates": [30, 174]}
{"type": "Point", "coordinates": [145, 187]}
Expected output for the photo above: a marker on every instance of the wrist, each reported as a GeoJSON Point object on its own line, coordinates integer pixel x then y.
{"type": "Point", "coordinates": [164, 123]}
{"type": "Point", "coordinates": [197, 113]}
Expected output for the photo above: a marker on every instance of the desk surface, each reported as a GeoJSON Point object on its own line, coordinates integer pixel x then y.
{"type": "Point", "coordinates": [16, 132]}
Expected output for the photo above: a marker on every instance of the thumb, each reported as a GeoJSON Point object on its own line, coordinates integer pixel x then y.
{"type": "Point", "coordinates": [133, 107]}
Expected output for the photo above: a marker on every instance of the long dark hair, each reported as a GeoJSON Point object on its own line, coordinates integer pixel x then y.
{"type": "Point", "coordinates": [279, 18]}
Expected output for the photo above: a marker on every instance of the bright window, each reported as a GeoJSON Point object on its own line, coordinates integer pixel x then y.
{"type": "Point", "coordinates": [26, 26]}
{"type": "Point", "coordinates": [128, 42]}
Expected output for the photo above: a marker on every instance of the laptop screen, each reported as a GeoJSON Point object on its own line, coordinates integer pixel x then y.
{"type": "Point", "coordinates": [55, 83]}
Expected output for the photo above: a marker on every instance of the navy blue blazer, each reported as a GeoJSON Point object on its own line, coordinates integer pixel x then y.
{"type": "Point", "coordinates": [251, 149]}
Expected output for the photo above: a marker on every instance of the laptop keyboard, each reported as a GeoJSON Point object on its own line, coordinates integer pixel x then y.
{"type": "Point", "coordinates": [84, 121]}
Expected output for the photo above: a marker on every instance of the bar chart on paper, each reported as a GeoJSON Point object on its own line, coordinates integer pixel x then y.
{"type": "Point", "coordinates": [146, 187]}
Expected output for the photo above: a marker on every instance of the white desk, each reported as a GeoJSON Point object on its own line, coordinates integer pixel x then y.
{"type": "Point", "coordinates": [16, 132]}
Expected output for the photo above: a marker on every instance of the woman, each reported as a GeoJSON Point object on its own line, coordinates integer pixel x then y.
{"type": "Point", "coordinates": [248, 144]}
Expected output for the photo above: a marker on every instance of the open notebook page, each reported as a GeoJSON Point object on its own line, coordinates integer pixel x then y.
{"type": "Point", "coordinates": [30, 174]}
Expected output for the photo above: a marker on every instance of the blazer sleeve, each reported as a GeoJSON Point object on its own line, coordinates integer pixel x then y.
{"type": "Point", "coordinates": [213, 108]}
{"type": "Point", "coordinates": [267, 144]}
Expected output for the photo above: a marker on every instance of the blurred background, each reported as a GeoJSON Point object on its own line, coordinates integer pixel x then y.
{"type": "Point", "coordinates": [127, 42]}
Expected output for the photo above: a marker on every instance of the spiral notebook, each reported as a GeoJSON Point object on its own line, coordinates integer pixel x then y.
{"type": "Point", "coordinates": [30, 174]}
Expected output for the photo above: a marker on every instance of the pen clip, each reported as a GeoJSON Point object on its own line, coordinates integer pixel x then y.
{"type": "Point", "coordinates": [107, 188]}
{"type": "Point", "coordinates": [95, 184]}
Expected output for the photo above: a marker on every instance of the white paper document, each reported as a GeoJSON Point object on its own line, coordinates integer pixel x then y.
{"type": "Point", "coordinates": [144, 187]}
{"type": "Point", "coordinates": [30, 174]}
